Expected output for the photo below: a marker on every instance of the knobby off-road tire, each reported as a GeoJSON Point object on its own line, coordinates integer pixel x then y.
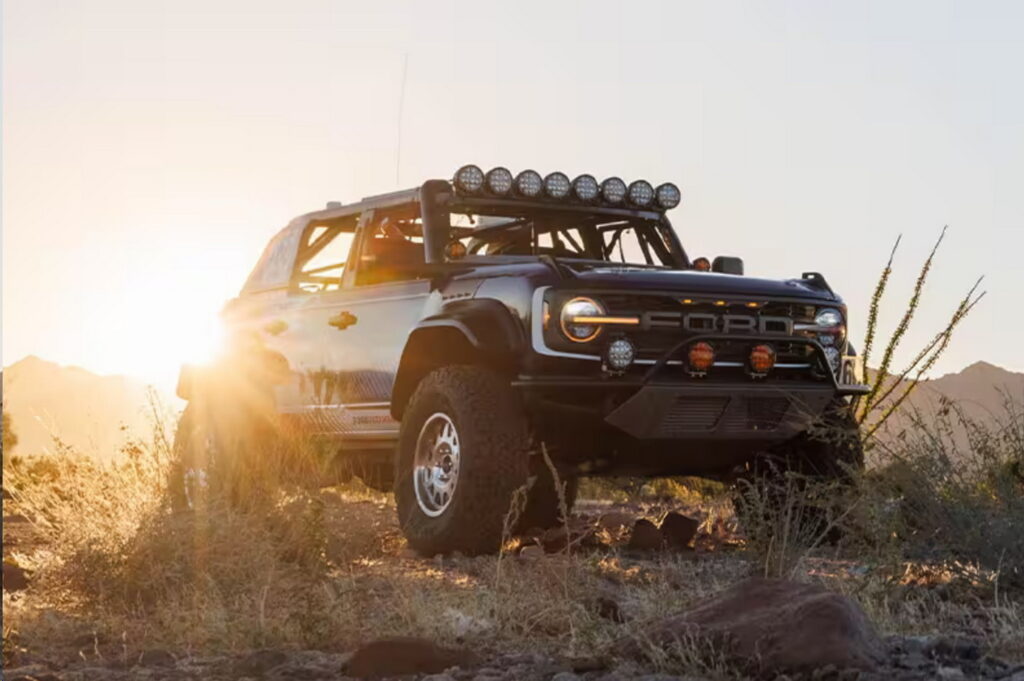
{"type": "Point", "coordinates": [830, 455]}
{"type": "Point", "coordinates": [491, 462]}
{"type": "Point", "coordinates": [543, 509]}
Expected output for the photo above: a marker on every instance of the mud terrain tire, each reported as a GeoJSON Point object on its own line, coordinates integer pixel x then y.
{"type": "Point", "coordinates": [492, 460]}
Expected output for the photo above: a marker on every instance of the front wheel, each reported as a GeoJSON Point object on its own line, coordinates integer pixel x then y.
{"type": "Point", "coordinates": [462, 454]}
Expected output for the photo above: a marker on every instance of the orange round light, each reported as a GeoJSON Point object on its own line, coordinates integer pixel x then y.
{"type": "Point", "coordinates": [701, 357]}
{"type": "Point", "coordinates": [455, 250]}
{"type": "Point", "coordinates": [762, 359]}
{"type": "Point", "coordinates": [702, 265]}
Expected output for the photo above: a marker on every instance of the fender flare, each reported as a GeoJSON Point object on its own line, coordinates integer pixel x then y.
{"type": "Point", "coordinates": [488, 327]}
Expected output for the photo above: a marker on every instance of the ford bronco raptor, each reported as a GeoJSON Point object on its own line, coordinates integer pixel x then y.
{"type": "Point", "coordinates": [442, 339]}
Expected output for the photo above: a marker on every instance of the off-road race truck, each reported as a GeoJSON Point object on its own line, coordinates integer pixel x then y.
{"type": "Point", "coordinates": [446, 341]}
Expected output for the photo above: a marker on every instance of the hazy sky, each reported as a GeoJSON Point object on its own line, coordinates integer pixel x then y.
{"type": "Point", "coordinates": [150, 149]}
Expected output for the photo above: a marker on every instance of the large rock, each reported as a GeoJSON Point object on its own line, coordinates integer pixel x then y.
{"type": "Point", "coordinates": [773, 625]}
{"type": "Point", "coordinates": [401, 656]}
{"type": "Point", "coordinates": [646, 536]}
{"type": "Point", "coordinates": [679, 530]}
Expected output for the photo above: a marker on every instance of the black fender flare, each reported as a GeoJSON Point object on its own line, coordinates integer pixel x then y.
{"type": "Point", "coordinates": [488, 333]}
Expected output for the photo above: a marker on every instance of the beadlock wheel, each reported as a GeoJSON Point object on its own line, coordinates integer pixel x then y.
{"type": "Point", "coordinates": [436, 468]}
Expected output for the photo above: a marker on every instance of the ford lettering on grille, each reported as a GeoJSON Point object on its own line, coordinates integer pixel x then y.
{"type": "Point", "coordinates": [734, 323]}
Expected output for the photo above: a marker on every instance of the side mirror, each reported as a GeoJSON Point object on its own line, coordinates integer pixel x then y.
{"type": "Point", "coordinates": [727, 265]}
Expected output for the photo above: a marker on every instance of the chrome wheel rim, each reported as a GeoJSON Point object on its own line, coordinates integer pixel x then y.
{"type": "Point", "coordinates": [436, 465]}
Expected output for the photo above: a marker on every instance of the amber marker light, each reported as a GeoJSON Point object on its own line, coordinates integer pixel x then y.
{"type": "Point", "coordinates": [455, 250]}
{"type": "Point", "coordinates": [700, 358]}
{"type": "Point", "coordinates": [762, 359]}
{"type": "Point", "coordinates": [702, 265]}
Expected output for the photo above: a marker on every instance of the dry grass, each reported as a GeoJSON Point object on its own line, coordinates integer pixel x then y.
{"type": "Point", "coordinates": [118, 572]}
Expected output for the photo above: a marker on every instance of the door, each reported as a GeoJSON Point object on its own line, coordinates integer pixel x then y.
{"type": "Point", "coordinates": [358, 329]}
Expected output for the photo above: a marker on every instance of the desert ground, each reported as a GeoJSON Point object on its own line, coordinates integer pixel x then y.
{"type": "Point", "coordinates": [644, 580]}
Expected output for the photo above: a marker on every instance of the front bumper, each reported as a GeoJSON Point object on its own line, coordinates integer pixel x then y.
{"type": "Point", "coordinates": [716, 413]}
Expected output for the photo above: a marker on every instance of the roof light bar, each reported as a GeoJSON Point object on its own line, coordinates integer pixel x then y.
{"type": "Point", "coordinates": [556, 186]}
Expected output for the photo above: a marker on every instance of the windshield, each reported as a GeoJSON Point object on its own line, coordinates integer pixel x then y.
{"type": "Point", "coordinates": [582, 236]}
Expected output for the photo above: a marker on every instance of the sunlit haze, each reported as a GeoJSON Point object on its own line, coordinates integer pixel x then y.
{"type": "Point", "coordinates": [151, 149]}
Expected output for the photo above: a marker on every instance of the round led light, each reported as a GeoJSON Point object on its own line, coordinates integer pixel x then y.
{"type": "Point", "coordinates": [613, 190]}
{"type": "Point", "coordinates": [580, 307]}
{"type": "Point", "coordinates": [668, 195]}
{"type": "Point", "coordinates": [585, 188]}
{"type": "Point", "coordinates": [529, 184]}
{"type": "Point", "coordinates": [469, 179]}
{"type": "Point", "coordinates": [619, 354]}
{"type": "Point", "coordinates": [828, 318]}
{"type": "Point", "coordinates": [556, 185]}
{"type": "Point", "coordinates": [641, 193]}
{"type": "Point", "coordinates": [700, 358]}
{"type": "Point", "coordinates": [762, 359]}
{"type": "Point", "coordinates": [499, 181]}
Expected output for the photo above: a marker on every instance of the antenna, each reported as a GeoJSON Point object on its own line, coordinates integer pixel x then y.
{"type": "Point", "coordinates": [401, 106]}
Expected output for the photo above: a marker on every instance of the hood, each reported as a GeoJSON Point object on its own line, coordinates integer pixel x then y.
{"type": "Point", "coordinates": [700, 283]}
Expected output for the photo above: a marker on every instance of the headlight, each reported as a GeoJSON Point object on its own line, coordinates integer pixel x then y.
{"type": "Point", "coordinates": [556, 185]}
{"type": "Point", "coordinates": [613, 190]}
{"type": "Point", "coordinates": [499, 181]}
{"type": "Point", "coordinates": [529, 184]}
{"type": "Point", "coordinates": [641, 193]}
{"type": "Point", "coordinates": [585, 188]}
{"type": "Point", "coordinates": [580, 307]}
{"type": "Point", "coordinates": [668, 195]}
{"type": "Point", "coordinates": [828, 318]}
{"type": "Point", "coordinates": [469, 179]}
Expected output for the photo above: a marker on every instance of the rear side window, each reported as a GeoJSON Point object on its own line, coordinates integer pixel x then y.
{"type": "Point", "coordinates": [324, 255]}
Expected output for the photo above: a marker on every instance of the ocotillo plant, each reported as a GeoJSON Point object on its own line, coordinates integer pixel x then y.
{"type": "Point", "coordinates": [889, 390]}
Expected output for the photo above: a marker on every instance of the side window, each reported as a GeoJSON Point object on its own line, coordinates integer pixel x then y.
{"type": "Point", "coordinates": [324, 255]}
{"type": "Point", "coordinates": [392, 249]}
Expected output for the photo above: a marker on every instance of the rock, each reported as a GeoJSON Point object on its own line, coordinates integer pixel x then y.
{"type": "Point", "coordinates": [399, 656]}
{"type": "Point", "coordinates": [615, 520]}
{"type": "Point", "coordinates": [774, 626]}
{"type": "Point", "coordinates": [156, 657]}
{"type": "Point", "coordinates": [645, 537]}
{"type": "Point", "coordinates": [554, 539]}
{"type": "Point", "coordinates": [950, 673]}
{"type": "Point", "coordinates": [15, 577]}
{"type": "Point", "coordinates": [956, 649]}
{"type": "Point", "coordinates": [679, 530]}
{"type": "Point", "coordinates": [259, 662]}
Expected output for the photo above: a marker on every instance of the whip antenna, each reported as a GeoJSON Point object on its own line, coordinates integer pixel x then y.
{"type": "Point", "coordinates": [401, 106]}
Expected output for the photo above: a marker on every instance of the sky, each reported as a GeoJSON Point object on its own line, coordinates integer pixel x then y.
{"type": "Point", "coordinates": [151, 149]}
